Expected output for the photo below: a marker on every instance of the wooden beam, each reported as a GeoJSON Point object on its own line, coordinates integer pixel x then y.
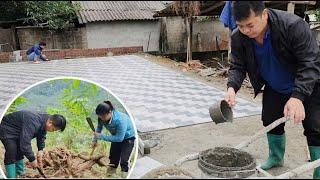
{"type": "Point", "coordinates": [218, 4]}
{"type": "Point", "coordinates": [295, 2]}
{"type": "Point", "coordinates": [304, 2]}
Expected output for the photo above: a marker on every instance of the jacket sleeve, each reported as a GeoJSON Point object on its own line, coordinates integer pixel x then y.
{"type": "Point", "coordinates": [120, 134]}
{"type": "Point", "coordinates": [37, 50]}
{"type": "Point", "coordinates": [237, 71]}
{"type": "Point", "coordinates": [42, 58]}
{"type": "Point", "coordinates": [27, 133]}
{"type": "Point", "coordinates": [41, 141]}
{"type": "Point", "coordinates": [306, 50]}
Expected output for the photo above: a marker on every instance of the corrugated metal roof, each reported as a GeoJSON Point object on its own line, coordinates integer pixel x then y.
{"type": "Point", "coordinates": [92, 11]}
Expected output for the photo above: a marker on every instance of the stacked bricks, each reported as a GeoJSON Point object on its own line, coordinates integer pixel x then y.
{"type": "Point", "coordinates": [54, 54]}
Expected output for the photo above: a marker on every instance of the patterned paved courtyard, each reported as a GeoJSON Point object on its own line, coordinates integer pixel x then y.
{"type": "Point", "coordinates": [157, 97]}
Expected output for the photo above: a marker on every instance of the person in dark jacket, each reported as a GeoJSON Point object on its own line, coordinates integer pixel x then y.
{"type": "Point", "coordinates": [17, 129]}
{"type": "Point", "coordinates": [35, 54]}
{"type": "Point", "coordinates": [278, 51]}
{"type": "Point", "coordinates": [122, 135]}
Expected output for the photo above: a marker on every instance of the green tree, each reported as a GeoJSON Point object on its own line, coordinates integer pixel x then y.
{"type": "Point", "coordinates": [317, 13]}
{"type": "Point", "coordinates": [18, 101]}
{"type": "Point", "coordinates": [11, 10]}
{"type": "Point", "coordinates": [54, 14]}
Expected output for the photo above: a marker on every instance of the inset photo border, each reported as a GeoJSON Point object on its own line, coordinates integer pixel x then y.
{"type": "Point", "coordinates": [79, 129]}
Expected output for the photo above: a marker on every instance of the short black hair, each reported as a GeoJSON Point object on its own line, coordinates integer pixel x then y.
{"type": "Point", "coordinates": [242, 9]}
{"type": "Point", "coordinates": [42, 44]}
{"type": "Point", "coordinates": [58, 121]}
{"type": "Point", "coordinates": [104, 108]}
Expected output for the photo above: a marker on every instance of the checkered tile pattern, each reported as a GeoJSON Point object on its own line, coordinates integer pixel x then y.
{"type": "Point", "coordinates": [157, 97]}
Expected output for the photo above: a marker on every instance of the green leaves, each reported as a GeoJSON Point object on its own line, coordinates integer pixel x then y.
{"type": "Point", "coordinates": [18, 101]}
{"type": "Point", "coordinates": [77, 101]}
{"type": "Point", "coordinates": [54, 14]}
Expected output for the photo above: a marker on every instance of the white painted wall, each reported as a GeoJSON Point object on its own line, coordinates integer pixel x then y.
{"type": "Point", "coordinates": [124, 34]}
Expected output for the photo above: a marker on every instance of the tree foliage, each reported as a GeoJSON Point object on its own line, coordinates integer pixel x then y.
{"type": "Point", "coordinates": [54, 14]}
{"type": "Point", "coordinates": [317, 14]}
{"type": "Point", "coordinates": [18, 101]}
{"type": "Point", "coordinates": [11, 10]}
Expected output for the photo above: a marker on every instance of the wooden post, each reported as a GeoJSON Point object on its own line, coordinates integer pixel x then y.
{"type": "Point", "coordinates": [191, 42]}
{"type": "Point", "coordinates": [229, 45]}
{"type": "Point", "coordinates": [188, 38]}
{"type": "Point", "coordinates": [290, 7]}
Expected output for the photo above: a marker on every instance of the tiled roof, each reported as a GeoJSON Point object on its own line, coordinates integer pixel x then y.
{"type": "Point", "coordinates": [92, 11]}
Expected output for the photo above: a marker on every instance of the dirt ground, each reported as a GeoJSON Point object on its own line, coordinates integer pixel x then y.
{"type": "Point", "coordinates": [176, 143]}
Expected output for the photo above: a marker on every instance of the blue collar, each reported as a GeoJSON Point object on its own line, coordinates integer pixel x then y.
{"type": "Point", "coordinates": [267, 35]}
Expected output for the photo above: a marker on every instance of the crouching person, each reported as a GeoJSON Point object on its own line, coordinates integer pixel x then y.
{"type": "Point", "coordinates": [17, 129]}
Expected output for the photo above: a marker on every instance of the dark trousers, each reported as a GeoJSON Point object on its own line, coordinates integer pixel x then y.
{"type": "Point", "coordinates": [273, 105]}
{"type": "Point", "coordinates": [120, 152]}
{"type": "Point", "coordinates": [13, 153]}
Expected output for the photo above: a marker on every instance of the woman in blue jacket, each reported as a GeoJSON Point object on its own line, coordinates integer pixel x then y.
{"type": "Point", "coordinates": [122, 135]}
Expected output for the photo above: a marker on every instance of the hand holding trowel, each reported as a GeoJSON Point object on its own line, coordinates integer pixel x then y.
{"type": "Point", "coordinates": [93, 130]}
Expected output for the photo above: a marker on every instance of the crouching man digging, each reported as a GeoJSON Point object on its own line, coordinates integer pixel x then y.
{"type": "Point", "coordinates": [278, 51]}
{"type": "Point", "coordinates": [16, 132]}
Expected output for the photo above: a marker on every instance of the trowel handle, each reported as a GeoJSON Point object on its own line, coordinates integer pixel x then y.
{"type": "Point", "coordinates": [262, 132]}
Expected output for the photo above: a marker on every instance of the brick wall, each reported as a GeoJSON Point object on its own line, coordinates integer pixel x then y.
{"type": "Point", "coordinates": [74, 38]}
{"type": "Point", "coordinates": [5, 56]}
{"type": "Point", "coordinates": [7, 36]}
{"type": "Point", "coordinates": [76, 53]}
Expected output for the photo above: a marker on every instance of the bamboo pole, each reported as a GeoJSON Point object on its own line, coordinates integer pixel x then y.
{"type": "Point", "coordinates": [262, 132]}
{"type": "Point", "coordinates": [299, 170]}
{"type": "Point", "coordinates": [189, 157]}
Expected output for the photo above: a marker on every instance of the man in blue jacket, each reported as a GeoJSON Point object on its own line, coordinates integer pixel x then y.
{"type": "Point", "coordinates": [35, 54]}
{"type": "Point", "coordinates": [278, 51]}
{"type": "Point", "coordinates": [122, 135]}
{"type": "Point", "coordinates": [17, 129]}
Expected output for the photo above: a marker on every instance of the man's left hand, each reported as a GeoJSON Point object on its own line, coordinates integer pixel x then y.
{"type": "Point", "coordinates": [294, 109]}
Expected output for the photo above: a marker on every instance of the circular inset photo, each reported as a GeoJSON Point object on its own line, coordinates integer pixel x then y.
{"type": "Point", "coordinates": [67, 128]}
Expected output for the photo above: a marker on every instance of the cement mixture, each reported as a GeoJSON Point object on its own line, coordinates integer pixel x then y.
{"type": "Point", "coordinates": [168, 173]}
{"type": "Point", "coordinates": [226, 157]}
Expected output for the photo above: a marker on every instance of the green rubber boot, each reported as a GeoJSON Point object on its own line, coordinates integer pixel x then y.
{"type": "Point", "coordinates": [11, 171]}
{"type": "Point", "coordinates": [20, 167]}
{"type": "Point", "coordinates": [277, 146]}
{"type": "Point", "coordinates": [315, 154]}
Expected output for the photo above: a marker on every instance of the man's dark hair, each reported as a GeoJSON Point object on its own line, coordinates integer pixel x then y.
{"type": "Point", "coordinates": [42, 44]}
{"type": "Point", "coordinates": [59, 121]}
{"type": "Point", "coordinates": [242, 9]}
